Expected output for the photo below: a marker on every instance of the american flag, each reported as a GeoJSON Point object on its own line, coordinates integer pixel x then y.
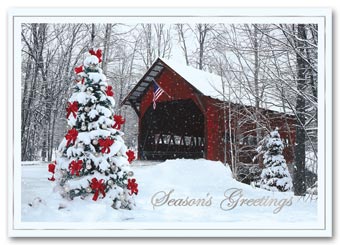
{"type": "Point", "coordinates": [157, 92]}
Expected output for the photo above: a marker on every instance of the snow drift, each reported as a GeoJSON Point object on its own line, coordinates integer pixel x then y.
{"type": "Point", "coordinates": [170, 185]}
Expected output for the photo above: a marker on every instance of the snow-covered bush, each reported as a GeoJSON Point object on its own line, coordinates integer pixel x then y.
{"type": "Point", "coordinates": [275, 175]}
{"type": "Point", "coordinates": [248, 173]}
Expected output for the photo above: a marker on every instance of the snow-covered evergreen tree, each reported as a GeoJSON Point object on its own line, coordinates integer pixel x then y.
{"type": "Point", "coordinates": [94, 161]}
{"type": "Point", "coordinates": [275, 175]}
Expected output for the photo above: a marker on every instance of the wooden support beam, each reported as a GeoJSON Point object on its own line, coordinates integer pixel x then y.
{"type": "Point", "coordinates": [203, 109]}
{"type": "Point", "coordinates": [182, 141]}
{"type": "Point", "coordinates": [172, 138]}
{"type": "Point", "coordinates": [134, 107]}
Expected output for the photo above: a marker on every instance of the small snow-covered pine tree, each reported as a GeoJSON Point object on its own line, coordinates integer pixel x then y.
{"type": "Point", "coordinates": [275, 175]}
{"type": "Point", "coordinates": [94, 161]}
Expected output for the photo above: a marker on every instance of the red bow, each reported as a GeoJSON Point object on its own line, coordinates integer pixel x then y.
{"type": "Point", "coordinates": [72, 108]}
{"type": "Point", "coordinates": [131, 155]}
{"type": "Point", "coordinates": [79, 69]}
{"type": "Point", "coordinates": [75, 167]}
{"type": "Point", "coordinates": [97, 186]}
{"type": "Point", "coordinates": [106, 143]}
{"type": "Point", "coordinates": [71, 136]}
{"type": "Point", "coordinates": [132, 186]}
{"type": "Point", "coordinates": [97, 53]}
{"type": "Point", "coordinates": [109, 91]}
{"type": "Point", "coordinates": [119, 120]}
{"type": "Point", "coordinates": [51, 169]}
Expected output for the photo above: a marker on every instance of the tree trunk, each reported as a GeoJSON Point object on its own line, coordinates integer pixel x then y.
{"type": "Point", "coordinates": [299, 168]}
{"type": "Point", "coordinates": [24, 108]}
{"type": "Point", "coordinates": [202, 33]}
{"type": "Point", "coordinates": [256, 83]}
{"type": "Point", "coordinates": [107, 40]}
{"type": "Point", "coordinates": [93, 34]}
{"type": "Point", "coordinates": [182, 39]}
{"type": "Point", "coordinates": [148, 45]}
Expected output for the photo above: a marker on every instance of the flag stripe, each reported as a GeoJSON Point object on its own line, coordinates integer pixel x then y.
{"type": "Point", "coordinates": [157, 92]}
{"type": "Point", "coordinates": [156, 96]}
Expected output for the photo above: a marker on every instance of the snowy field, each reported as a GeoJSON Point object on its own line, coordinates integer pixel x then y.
{"type": "Point", "coordinates": [213, 196]}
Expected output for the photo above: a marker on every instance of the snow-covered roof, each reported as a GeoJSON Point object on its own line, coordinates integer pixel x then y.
{"type": "Point", "coordinates": [210, 84]}
{"type": "Point", "coordinates": [206, 83]}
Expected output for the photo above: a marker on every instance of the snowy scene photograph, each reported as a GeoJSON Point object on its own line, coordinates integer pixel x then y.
{"type": "Point", "coordinates": [173, 124]}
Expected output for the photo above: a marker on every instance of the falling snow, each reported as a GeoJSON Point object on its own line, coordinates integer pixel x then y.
{"type": "Point", "coordinates": [195, 179]}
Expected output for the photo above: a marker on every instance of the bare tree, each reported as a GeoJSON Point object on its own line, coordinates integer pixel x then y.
{"type": "Point", "coordinates": [163, 39]}
{"type": "Point", "coordinates": [155, 41]}
{"type": "Point", "coordinates": [262, 66]}
{"type": "Point", "coordinates": [106, 48]}
{"type": "Point", "coordinates": [300, 153]}
{"type": "Point", "coordinates": [201, 32]}
{"type": "Point", "coordinates": [48, 50]}
{"type": "Point", "coordinates": [182, 40]}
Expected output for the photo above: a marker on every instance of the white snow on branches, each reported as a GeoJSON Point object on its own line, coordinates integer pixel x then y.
{"type": "Point", "coordinates": [91, 60]}
{"type": "Point", "coordinates": [93, 113]}
{"type": "Point", "coordinates": [96, 77]}
{"type": "Point", "coordinates": [82, 98]}
{"type": "Point", "coordinates": [105, 111]}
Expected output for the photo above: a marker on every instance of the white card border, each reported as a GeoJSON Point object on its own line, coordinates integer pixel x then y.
{"type": "Point", "coordinates": [17, 229]}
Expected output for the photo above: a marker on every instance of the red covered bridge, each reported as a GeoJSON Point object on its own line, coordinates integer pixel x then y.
{"type": "Point", "coordinates": [197, 118]}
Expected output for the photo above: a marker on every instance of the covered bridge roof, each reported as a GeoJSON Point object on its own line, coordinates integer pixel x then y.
{"type": "Point", "coordinates": [205, 83]}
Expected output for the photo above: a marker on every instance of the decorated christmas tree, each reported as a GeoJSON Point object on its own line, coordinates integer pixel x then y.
{"type": "Point", "coordinates": [275, 175]}
{"type": "Point", "coordinates": [94, 161]}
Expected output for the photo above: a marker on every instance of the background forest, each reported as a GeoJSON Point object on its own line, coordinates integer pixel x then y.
{"type": "Point", "coordinates": [278, 61]}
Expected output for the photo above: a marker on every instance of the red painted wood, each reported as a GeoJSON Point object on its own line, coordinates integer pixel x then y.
{"type": "Point", "coordinates": [179, 89]}
{"type": "Point", "coordinates": [174, 85]}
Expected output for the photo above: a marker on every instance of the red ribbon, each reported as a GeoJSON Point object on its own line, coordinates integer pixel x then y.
{"type": "Point", "coordinates": [119, 120]}
{"type": "Point", "coordinates": [51, 169]}
{"type": "Point", "coordinates": [72, 108]}
{"type": "Point", "coordinates": [131, 155]}
{"type": "Point", "coordinates": [71, 136]}
{"type": "Point", "coordinates": [132, 186]}
{"type": "Point", "coordinates": [106, 143]}
{"type": "Point", "coordinates": [79, 69]}
{"type": "Point", "coordinates": [98, 187]}
{"type": "Point", "coordinates": [75, 167]}
{"type": "Point", "coordinates": [97, 53]}
{"type": "Point", "coordinates": [109, 91]}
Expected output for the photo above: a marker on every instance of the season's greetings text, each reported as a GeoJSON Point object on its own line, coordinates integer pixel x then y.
{"type": "Point", "coordinates": [232, 199]}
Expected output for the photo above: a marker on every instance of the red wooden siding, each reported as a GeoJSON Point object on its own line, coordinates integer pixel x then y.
{"type": "Point", "coordinates": [174, 85]}
{"type": "Point", "coordinates": [215, 119]}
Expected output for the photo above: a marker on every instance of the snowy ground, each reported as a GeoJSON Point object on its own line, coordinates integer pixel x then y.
{"type": "Point", "coordinates": [195, 179]}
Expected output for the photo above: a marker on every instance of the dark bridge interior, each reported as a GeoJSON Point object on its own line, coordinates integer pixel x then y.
{"type": "Point", "coordinates": [175, 129]}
